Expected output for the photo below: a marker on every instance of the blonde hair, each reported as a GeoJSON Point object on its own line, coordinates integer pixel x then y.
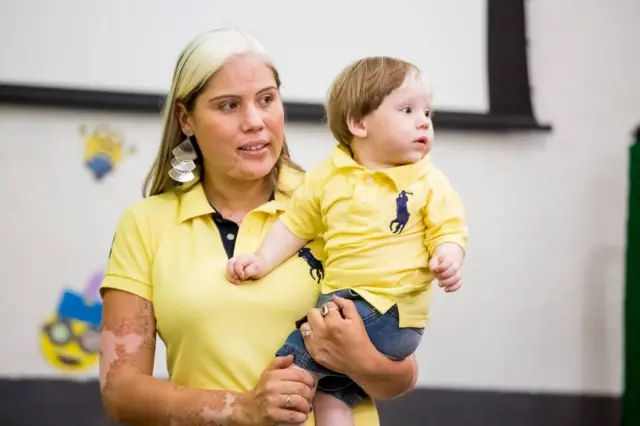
{"type": "Point", "coordinates": [360, 89]}
{"type": "Point", "coordinates": [197, 63]}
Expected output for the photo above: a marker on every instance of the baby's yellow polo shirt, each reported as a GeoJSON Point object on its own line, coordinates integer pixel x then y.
{"type": "Point", "coordinates": [381, 228]}
{"type": "Point", "coordinates": [168, 249]}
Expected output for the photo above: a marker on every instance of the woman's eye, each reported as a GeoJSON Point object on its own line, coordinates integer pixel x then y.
{"type": "Point", "coordinates": [229, 105]}
{"type": "Point", "coordinates": [266, 100]}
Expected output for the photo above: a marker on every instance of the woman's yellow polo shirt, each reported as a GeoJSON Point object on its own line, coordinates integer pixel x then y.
{"type": "Point", "coordinates": [169, 250]}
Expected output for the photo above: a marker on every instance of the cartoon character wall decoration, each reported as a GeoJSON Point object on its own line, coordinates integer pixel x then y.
{"type": "Point", "coordinates": [104, 149]}
{"type": "Point", "coordinates": [70, 338]}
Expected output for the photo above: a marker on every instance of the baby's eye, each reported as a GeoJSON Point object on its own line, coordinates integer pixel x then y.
{"type": "Point", "coordinates": [407, 110]}
{"type": "Point", "coordinates": [428, 113]}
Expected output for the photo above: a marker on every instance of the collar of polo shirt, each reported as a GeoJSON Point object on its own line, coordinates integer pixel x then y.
{"type": "Point", "coordinates": [402, 176]}
{"type": "Point", "coordinates": [194, 203]}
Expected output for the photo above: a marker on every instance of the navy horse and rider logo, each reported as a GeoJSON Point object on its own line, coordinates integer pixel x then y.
{"type": "Point", "coordinates": [402, 213]}
{"type": "Point", "coordinates": [315, 266]}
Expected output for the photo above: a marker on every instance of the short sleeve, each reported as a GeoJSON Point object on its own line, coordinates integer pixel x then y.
{"type": "Point", "coordinates": [129, 264]}
{"type": "Point", "coordinates": [444, 215]}
{"type": "Point", "coordinates": [303, 217]}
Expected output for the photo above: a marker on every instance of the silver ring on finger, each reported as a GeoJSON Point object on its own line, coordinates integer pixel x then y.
{"type": "Point", "coordinates": [325, 309]}
{"type": "Point", "coordinates": [288, 401]}
{"type": "Point", "coordinates": [306, 332]}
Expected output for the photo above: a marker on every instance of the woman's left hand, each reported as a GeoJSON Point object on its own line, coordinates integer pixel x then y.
{"type": "Point", "coordinates": [338, 342]}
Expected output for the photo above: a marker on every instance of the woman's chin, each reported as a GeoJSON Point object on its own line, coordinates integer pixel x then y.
{"type": "Point", "coordinates": [257, 169]}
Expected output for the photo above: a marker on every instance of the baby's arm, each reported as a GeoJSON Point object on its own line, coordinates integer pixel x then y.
{"type": "Point", "coordinates": [446, 229]}
{"type": "Point", "coordinates": [300, 223]}
{"type": "Point", "coordinates": [279, 245]}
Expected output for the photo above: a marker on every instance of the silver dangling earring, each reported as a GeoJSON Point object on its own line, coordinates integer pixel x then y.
{"type": "Point", "coordinates": [182, 165]}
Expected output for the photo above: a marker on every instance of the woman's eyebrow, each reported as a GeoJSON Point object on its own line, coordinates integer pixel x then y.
{"type": "Point", "coordinates": [266, 89]}
{"type": "Point", "coordinates": [234, 96]}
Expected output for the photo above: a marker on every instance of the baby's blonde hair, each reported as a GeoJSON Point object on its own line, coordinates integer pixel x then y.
{"type": "Point", "coordinates": [360, 89]}
{"type": "Point", "coordinates": [197, 63]}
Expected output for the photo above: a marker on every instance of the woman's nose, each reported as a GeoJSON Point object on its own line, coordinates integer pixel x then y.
{"type": "Point", "coordinates": [253, 119]}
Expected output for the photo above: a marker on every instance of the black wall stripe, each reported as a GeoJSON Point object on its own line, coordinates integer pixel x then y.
{"type": "Point", "coordinates": [74, 403]}
{"type": "Point", "coordinates": [509, 88]}
{"type": "Point", "coordinates": [509, 93]}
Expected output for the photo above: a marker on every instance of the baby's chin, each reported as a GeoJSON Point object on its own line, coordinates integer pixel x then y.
{"type": "Point", "coordinates": [412, 158]}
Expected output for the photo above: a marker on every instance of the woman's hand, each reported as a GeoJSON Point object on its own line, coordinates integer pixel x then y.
{"type": "Point", "coordinates": [283, 395]}
{"type": "Point", "coordinates": [341, 343]}
{"type": "Point", "coordinates": [338, 342]}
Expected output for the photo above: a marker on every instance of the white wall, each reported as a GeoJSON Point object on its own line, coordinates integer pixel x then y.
{"type": "Point", "coordinates": [306, 42]}
{"type": "Point", "coordinates": [542, 305]}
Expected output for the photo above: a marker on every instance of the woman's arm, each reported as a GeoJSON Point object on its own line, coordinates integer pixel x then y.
{"type": "Point", "coordinates": [383, 378]}
{"type": "Point", "coordinates": [131, 396]}
{"type": "Point", "coordinates": [129, 392]}
{"type": "Point", "coordinates": [341, 343]}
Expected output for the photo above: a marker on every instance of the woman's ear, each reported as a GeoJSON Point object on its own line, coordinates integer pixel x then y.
{"type": "Point", "coordinates": [183, 118]}
{"type": "Point", "coordinates": [357, 126]}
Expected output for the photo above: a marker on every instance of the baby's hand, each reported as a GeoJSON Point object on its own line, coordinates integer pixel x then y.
{"type": "Point", "coordinates": [447, 272]}
{"type": "Point", "coordinates": [244, 267]}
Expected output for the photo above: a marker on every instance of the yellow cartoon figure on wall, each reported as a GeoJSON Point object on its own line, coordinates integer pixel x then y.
{"type": "Point", "coordinates": [104, 149]}
{"type": "Point", "coordinates": [70, 338]}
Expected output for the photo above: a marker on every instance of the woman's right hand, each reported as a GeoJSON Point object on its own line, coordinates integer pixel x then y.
{"type": "Point", "coordinates": [266, 404]}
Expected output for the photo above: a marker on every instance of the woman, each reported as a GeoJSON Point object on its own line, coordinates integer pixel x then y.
{"type": "Point", "coordinates": [222, 176]}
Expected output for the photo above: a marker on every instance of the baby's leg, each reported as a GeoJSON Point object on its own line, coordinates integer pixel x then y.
{"type": "Point", "coordinates": [330, 411]}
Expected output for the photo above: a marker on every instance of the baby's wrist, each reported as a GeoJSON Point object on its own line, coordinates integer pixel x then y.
{"type": "Point", "coordinates": [451, 250]}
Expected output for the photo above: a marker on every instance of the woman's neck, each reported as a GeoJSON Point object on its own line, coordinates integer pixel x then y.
{"type": "Point", "coordinates": [233, 199]}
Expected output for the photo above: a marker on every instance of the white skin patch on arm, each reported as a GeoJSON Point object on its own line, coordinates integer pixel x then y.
{"type": "Point", "coordinates": [127, 342]}
{"type": "Point", "coordinates": [127, 350]}
{"type": "Point", "coordinates": [115, 350]}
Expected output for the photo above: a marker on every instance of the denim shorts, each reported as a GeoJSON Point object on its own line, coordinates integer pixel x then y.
{"type": "Point", "coordinates": [385, 334]}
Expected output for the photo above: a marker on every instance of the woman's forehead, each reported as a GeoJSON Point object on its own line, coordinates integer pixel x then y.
{"type": "Point", "coordinates": [245, 74]}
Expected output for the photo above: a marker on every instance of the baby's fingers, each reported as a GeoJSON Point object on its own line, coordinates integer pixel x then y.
{"type": "Point", "coordinates": [232, 276]}
{"type": "Point", "coordinates": [239, 268]}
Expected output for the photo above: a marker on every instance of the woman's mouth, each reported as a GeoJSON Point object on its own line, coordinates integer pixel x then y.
{"type": "Point", "coordinates": [254, 148]}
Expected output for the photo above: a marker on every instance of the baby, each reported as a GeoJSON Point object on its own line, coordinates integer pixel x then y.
{"type": "Point", "coordinates": [391, 221]}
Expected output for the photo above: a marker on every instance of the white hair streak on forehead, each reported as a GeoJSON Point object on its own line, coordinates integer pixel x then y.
{"type": "Point", "coordinates": [202, 57]}
{"type": "Point", "coordinates": [207, 53]}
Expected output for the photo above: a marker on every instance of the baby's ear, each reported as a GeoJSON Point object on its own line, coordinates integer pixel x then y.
{"type": "Point", "coordinates": [357, 126]}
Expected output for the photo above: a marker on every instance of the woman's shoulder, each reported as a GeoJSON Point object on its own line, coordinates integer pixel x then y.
{"type": "Point", "coordinates": [153, 211]}
{"type": "Point", "coordinates": [292, 178]}
{"type": "Point", "coordinates": [154, 204]}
